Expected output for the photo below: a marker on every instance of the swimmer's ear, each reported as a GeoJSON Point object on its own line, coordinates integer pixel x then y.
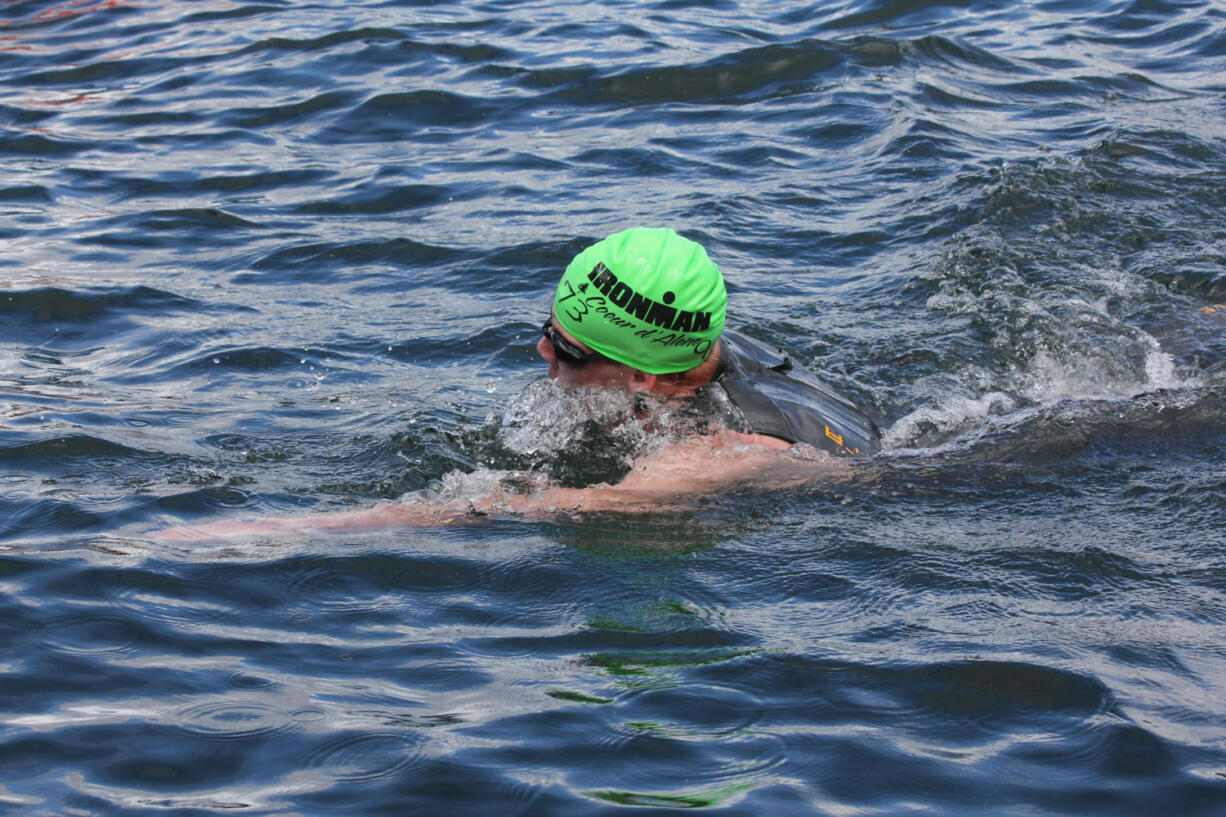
{"type": "Point", "coordinates": [643, 381]}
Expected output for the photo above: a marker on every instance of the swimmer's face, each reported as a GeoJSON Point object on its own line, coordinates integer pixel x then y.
{"type": "Point", "coordinates": [603, 372]}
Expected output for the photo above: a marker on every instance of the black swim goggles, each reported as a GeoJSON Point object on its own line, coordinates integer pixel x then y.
{"type": "Point", "coordinates": [566, 351]}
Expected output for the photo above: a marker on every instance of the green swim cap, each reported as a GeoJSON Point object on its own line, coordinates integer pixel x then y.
{"type": "Point", "coordinates": [644, 297]}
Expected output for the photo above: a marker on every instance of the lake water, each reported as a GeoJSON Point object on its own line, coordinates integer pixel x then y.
{"type": "Point", "coordinates": [276, 258]}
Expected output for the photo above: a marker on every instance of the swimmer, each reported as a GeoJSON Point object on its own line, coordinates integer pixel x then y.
{"type": "Point", "coordinates": [643, 311]}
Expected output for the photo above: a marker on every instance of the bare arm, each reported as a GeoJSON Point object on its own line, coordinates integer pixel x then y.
{"type": "Point", "coordinates": [666, 479]}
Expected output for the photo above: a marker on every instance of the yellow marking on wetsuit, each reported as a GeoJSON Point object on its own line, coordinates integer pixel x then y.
{"type": "Point", "coordinates": [838, 438]}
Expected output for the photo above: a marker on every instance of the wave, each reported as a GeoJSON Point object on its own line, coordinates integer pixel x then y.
{"type": "Point", "coordinates": [47, 304]}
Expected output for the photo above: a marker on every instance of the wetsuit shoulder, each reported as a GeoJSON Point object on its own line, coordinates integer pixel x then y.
{"type": "Point", "coordinates": [777, 397]}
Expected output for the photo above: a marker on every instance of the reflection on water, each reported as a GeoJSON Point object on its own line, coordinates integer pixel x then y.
{"type": "Point", "coordinates": [269, 260]}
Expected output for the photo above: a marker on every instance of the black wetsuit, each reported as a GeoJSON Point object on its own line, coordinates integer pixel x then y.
{"type": "Point", "coordinates": [776, 397]}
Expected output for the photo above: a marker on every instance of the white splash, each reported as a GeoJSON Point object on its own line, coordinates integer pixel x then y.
{"type": "Point", "coordinates": [945, 418]}
{"type": "Point", "coordinates": [545, 417]}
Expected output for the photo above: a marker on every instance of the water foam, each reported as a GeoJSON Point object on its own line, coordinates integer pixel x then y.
{"type": "Point", "coordinates": [1060, 314]}
{"type": "Point", "coordinates": [549, 435]}
{"type": "Point", "coordinates": [547, 418]}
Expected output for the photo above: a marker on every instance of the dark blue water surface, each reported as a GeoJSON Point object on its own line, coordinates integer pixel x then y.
{"type": "Point", "coordinates": [276, 258]}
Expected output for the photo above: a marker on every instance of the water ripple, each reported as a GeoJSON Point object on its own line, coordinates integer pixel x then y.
{"type": "Point", "coordinates": [268, 259]}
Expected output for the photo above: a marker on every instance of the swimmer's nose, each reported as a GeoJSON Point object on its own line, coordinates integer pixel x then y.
{"type": "Point", "coordinates": [545, 349]}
